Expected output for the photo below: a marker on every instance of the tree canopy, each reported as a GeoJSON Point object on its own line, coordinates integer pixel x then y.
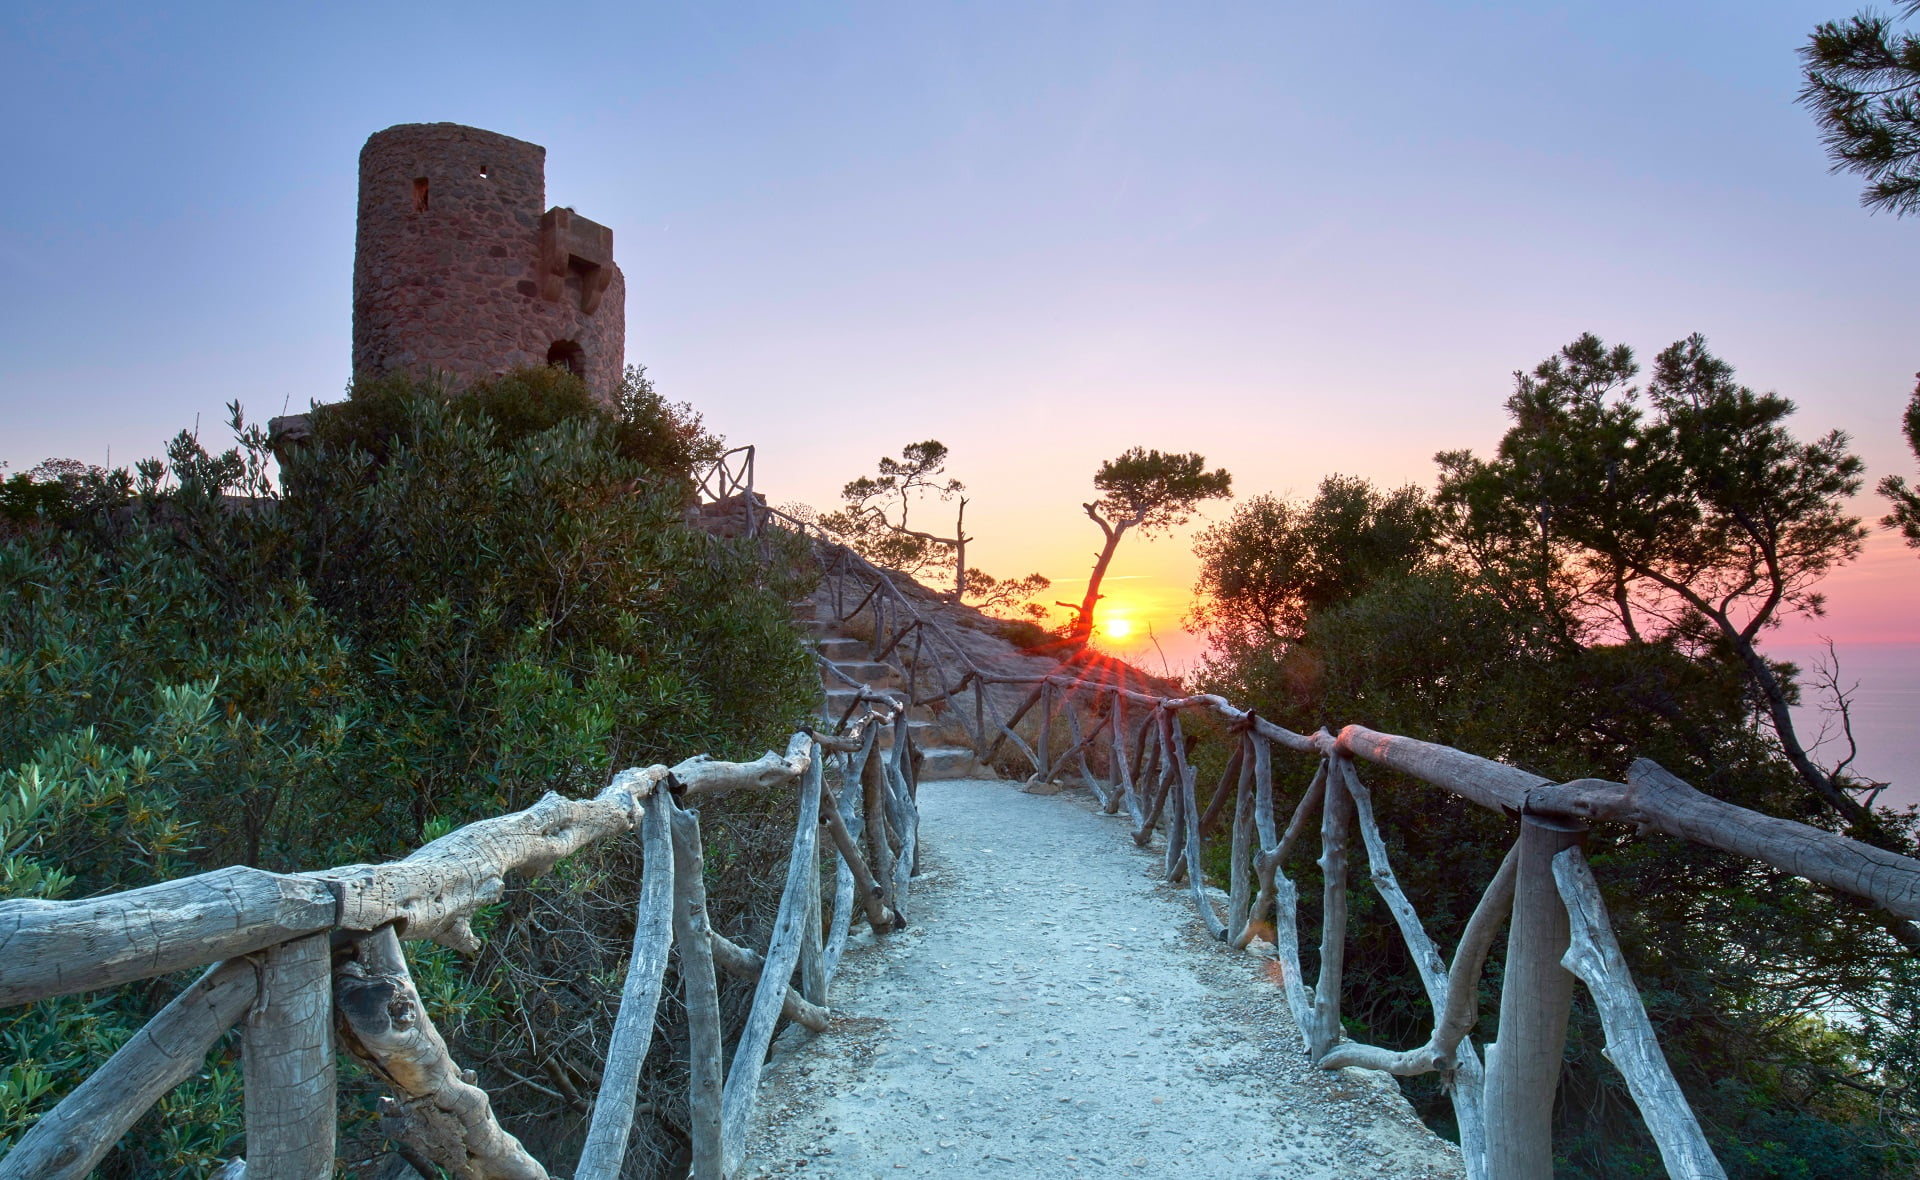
{"type": "Point", "coordinates": [1594, 591]}
{"type": "Point", "coordinates": [1273, 564]}
{"type": "Point", "coordinates": [1906, 501]}
{"type": "Point", "coordinates": [1863, 86]}
{"type": "Point", "coordinates": [1704, 512]}
{"type": "Point", "coordinates": [1145, 490]}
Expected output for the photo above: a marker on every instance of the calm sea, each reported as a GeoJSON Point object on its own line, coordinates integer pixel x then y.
{"type": "Point", "coordinates": [1886, 710]}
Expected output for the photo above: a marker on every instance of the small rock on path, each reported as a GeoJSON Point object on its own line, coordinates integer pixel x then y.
{"type": "Point", "coordinates": [1056, 1011]}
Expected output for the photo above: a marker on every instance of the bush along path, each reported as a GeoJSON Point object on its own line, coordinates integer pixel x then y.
{"type": "Point", "coordinates": [1056, 1011]}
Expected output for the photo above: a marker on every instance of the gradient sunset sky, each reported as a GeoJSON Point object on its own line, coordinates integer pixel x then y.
{"type": "Point", "coordinates": [1300, 239]}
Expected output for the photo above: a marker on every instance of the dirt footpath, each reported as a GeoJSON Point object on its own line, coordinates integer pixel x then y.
{"type": "Point", "coordinates": [1055, 1011]}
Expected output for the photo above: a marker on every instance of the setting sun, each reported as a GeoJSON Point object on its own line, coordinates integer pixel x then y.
{"type": "Point", "coordinates": [1117, 628]}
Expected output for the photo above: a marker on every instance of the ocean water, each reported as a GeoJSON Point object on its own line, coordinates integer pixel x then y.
{"type": "Point", "coordinates": [1886, 711]}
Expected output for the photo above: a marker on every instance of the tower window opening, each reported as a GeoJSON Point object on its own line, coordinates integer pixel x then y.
{"type": "Point", "coordinates": [568, 355]}
{"type": "Point", "coordinates": [484, 169]}
{"type": "Point", "coordinates": [419, 194]}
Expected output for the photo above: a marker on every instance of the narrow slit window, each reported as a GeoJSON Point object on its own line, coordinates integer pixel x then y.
{"type": "Point", "coordinates": [419, 194]}
{"type": "Point", "coordinates": [484, 169]}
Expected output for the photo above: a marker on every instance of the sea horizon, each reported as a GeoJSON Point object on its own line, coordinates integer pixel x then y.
{"type": "Point", "coordinates": [1885, 710]}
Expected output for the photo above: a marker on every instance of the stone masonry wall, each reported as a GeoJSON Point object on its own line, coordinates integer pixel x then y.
{"type": "Point", "coordinates": [459, 269]}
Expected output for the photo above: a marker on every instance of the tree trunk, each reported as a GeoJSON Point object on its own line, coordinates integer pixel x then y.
{"type": "Point", "coordinates": [606, 1147]}
{"type": "Point", "coordinates": [287, 1061]}
{"type": "Point", "coordinates": [1080, 633]}
{"type": "Point", "coordinates": [1523, 1067]}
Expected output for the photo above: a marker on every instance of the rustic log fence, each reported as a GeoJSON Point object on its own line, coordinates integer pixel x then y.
{"type": "Point", "coordinates": [305, 962]}
{"type": "Point", "coordinates": [302, 962]}
{"type": "Point", "coordinates": [1544, 892]}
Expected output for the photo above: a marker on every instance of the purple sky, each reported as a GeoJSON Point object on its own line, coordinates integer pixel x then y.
{"type": "Point", "coordinates": [1297, 238]}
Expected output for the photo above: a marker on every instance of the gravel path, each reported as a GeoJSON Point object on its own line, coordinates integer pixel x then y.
{"type": "Point", "coordinates": [1055, 1011]}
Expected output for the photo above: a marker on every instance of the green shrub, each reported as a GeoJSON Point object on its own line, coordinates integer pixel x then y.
{"type": "Point", "coordinates": [446, 607]}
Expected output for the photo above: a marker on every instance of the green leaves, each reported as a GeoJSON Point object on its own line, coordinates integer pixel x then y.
{"type": "Point", "coordinates": [1153, 492]}
{"type": "Point", "coordinates": [449, 608]}
{"type": "Point", "coordinates": [1863, 87]}
{"type": "Point", "coordinates": [1906, 501]}
{"type": "Point", "coordinates": [1273, 564]}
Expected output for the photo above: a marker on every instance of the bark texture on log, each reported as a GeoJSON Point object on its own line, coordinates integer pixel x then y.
{"type": "Point", "coordinates": [434, 893]}
{"type": "Point", "coordinates": [1336, 815]}
{"type": "Point", "coordinates": [1523, 1067]}
{"type": "Point", "coordinates": [1595, 957]}
{"type": "Point", "coordinates": [287, 1062]}
{"type": "Point", "coordinates": [606, 1147]}
{"type": "Point", "coordinates": [436, 1109]}
{"type": "Point", "coordinates": [783, 955]}
{"type": "Point", "coordinates": [748, 964]}
{"type": "Point", "coordinates": [74, 1136]}
{"type": "Point", "coordinates": [1655, 798]}
{"type": "Point", "coordinates": [692, 932]}
{"type": "Point", "coordinates": [52, 948]}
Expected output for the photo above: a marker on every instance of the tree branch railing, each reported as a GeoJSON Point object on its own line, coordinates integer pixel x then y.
{"type": "Point", "coordinates": [1544, 893]}
{"type": "Point", "coordinates": [303, 962]}
{"type": "Point", "coordinates": [306, 963]}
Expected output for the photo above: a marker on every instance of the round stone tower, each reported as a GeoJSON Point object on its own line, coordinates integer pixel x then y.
{"type": "Point", "coordinates": [459, 267]}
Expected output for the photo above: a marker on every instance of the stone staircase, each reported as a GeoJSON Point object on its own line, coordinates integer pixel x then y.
{"type": "Point", "coordinates": [941, 758]}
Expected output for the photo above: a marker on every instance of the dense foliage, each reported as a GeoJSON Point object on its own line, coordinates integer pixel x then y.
{"type": "Point", "coordinates": [1592, 593]}
{"type": "Point", "coordinates": [1863, 86]}
{"type": "Point", "coordinates": [447, 607]}
{"type": "Point", "coordinates": [1906, 500]}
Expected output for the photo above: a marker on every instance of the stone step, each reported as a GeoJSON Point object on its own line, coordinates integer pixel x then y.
{"type": "Point", "coordinates": [918, 728]}
{"type": "Point", "coordinates": [867, 672]}
{"type": "Point", "coordinates": [841, 648]}
{"type": "Point", "coordinates": [839, 698]}
{"type": "Point", "coordinates": [947, 762]}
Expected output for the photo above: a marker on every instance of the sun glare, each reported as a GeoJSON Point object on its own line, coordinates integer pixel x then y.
{"type": "Point", "coordinates": [1119, 628]}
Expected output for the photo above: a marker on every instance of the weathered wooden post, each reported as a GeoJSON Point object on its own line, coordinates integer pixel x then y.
{"type": "Point", "coordinates": [873, 805]}
{"type": "Point", "coordinates": [1336, 816]}
{"type": "Point", "coordinates": [1523, 1067]}
{"type": "Point", "coordinates": [1122, 776]}
{"type": "Point", "coordinates": [1044, 749]}
{"type": "Point", "coordinates": [1174, 792]}
{"type": "Point", "coordinates": [606, 1147]}
{"type": "Point", "coordinates": [701, 993]}
{"type": "Point", "coordinates": [287, 1058]}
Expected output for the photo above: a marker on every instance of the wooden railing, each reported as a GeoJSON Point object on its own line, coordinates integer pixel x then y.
{"type": "Point", "coordinates": [1544, 892]}
{"type": "Point", "coordinates": [730, 478]}
{"type": "Point", "coordinates": [296, 956]}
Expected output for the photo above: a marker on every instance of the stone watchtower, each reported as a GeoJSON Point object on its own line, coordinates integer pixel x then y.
{"type": "Point", "coordinates": [460, 268]}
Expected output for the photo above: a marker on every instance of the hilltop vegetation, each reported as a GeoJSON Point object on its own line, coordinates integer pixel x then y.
{"type": "Point", "coordinates": [445, 608]}
{"type": "Point", "coordinates": [1593, 592]}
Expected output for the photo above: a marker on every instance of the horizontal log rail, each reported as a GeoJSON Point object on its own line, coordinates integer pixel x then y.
{"type": "Point", "coordinates": [267, 936]}
{"type": "Point", "coordinates": [289, 956]}
{"type": "Point", "coordinates": [1544, 893]}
